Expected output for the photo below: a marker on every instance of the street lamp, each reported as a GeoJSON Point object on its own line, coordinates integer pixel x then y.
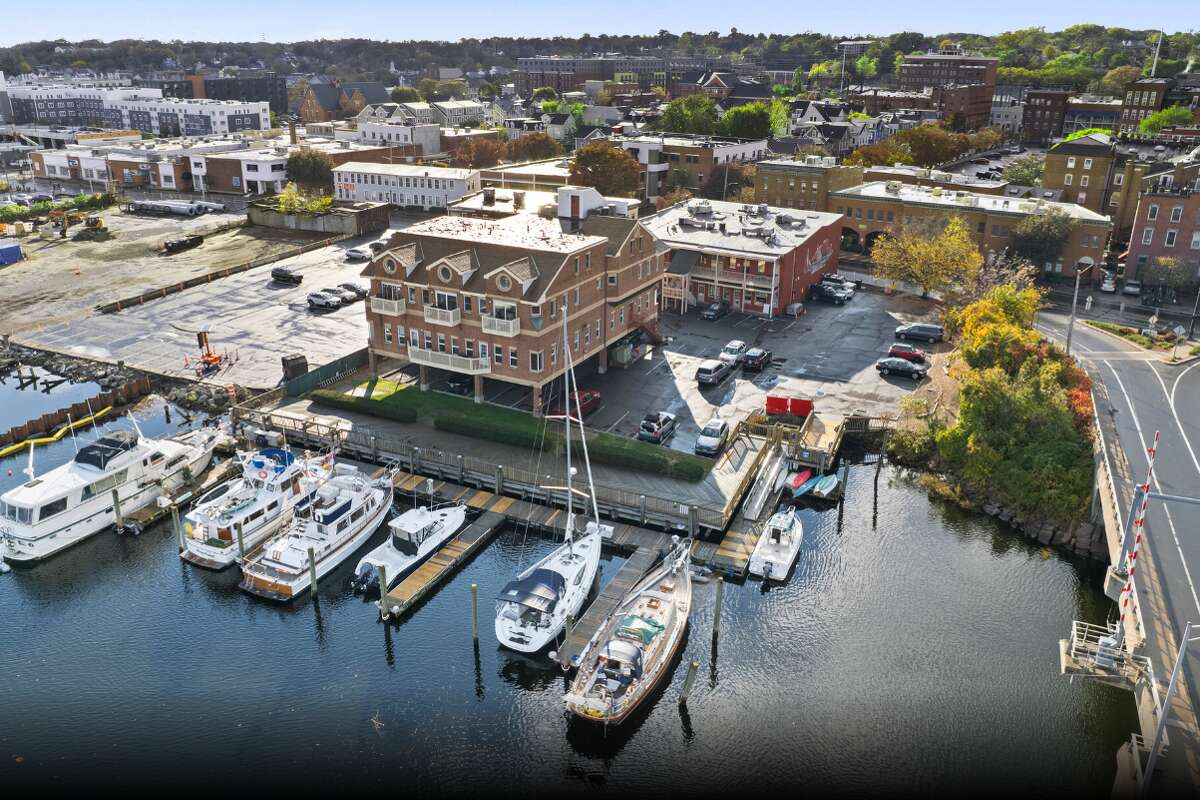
{"type": "Point", "coordinates": [1075, 299]}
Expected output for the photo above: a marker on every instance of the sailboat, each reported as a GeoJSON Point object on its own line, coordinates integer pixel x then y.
{"type": "Point", "coordinates": [633, 650]}
{"type": "Point", "coordinates": [532, 609]}
{"type": "Point", "coordinates": [71, 502]}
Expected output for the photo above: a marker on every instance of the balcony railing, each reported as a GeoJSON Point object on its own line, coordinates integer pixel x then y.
{"type": "Point", "coordinates": [434, 358]}
{"type": "Point", "coordinates": [501, 327]}
{"type": "Point", "coordinates": [443, 316]}
{"type": "Point", "coordinates": [382, 305]}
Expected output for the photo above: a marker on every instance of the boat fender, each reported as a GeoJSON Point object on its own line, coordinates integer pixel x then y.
{"type": "Point", "coordinates": [262, 474]}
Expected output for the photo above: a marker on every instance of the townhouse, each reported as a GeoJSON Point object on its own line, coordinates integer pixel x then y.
{"type": "Point", "coordinates": [1044, 115]}
{"type": "Point", "coordinates": [675, 159]}
{"type": "Point", "coordinates": [457, 113]}
{"type": "Point", "coordinates": [803, 183]}
{"type": "Point", "coordinates": [880, 208]}
{"type": "Point", "coordinates": [323, 102]}
{"type": "Point", "coordinates": [1166, 225]}
{"type": "Point", "coordinates": [409, 185]}
{"type": "Point", "coordinates": [489, 297]}
{"type": "Point", "coordinates": [757, 258]}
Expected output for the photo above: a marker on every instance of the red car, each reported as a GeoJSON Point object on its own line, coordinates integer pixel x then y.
{"type": "Point", "coordinates": [589, 401]}
{"type": "Point", "coordinates": [908, 352]}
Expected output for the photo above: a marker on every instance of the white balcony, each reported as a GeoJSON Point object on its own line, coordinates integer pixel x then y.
{"type": "Point", "coordinates": [392, 308]}
{"type": "Point", "coordinates": [443, 316]}
{"type": "Point", "coordinates": [463, 364]}
{"type": "Point", "coordinates": [501, 327]}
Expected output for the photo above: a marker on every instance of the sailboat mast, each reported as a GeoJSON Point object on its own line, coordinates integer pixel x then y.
{"type": "Point", "coordinates": [567, 424]}
{"type": "Point", "coordinates": [587, 462]}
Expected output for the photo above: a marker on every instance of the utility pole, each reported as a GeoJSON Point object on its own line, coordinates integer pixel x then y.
{"type": "Point", "coordinates": [1075, 299]}
{"type": "Point", "coordinates": [1185, 639]}
{"type": "Point", "coordinates": [1157, 47]}
{"type": "Point", "coordinates": [842, 77]}
{"type": "Point", "coordinates": [1195, 309]}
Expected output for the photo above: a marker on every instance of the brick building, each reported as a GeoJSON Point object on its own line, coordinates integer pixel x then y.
{"type": "Point", "coordinates": [323, 102]}
{"type": "Point", "coordinates": [677, 159]}
{"type": "Point", "coordinates": [487, 297]}
{"type": "Point", "coordinates": [952, 66]}
{"type": "Point", "coordinates": [1166, 225]}
{"type": "Point", "coordinates": [757, 258]}
{"type": "Point", "coordinates": [1044, 114]}
{"type": "Point", "coordinates": [1083, 169]}
{"type": "Point", "coordinates": [803, 183]}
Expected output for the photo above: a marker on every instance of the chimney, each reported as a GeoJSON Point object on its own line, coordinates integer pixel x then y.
{"type": "Point", "coordinates": [292, 130]}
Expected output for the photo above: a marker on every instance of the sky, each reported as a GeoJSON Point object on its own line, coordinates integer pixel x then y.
{"type": "Point", "coordinates": [256, 20]}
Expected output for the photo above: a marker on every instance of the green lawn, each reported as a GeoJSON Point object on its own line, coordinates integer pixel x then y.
{"type": "Point", "coordinates": [1131, 334]}
{"type": "Point", "coordinates": [462, 415]}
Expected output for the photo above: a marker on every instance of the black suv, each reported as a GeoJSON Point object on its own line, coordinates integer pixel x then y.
{"type": "Point", "coordinates": [756, 359]}
{"type": "Point", "coordinates": [828, 293]}
{"type": "Point", "coordinates": [285, 275]}
{"type": "Point", "coordinates": [921, 331]}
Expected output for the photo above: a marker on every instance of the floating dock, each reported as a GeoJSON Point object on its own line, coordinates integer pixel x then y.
{"type": "Point", "coordinates": [602, 607]}
{"type": "Point", "coordinates": [443, 563]}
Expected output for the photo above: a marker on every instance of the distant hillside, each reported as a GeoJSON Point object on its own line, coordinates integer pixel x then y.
{"type": "Point", "coordinates": [1080, 55]}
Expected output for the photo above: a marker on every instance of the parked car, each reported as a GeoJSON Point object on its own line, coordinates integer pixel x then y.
{"type": "Point", "coordinates": [360, 292]}
{"type": "Point", "coordinates": [983, 161]}
{"type": "Point", "coordinates": [909, 352]}
{"type": "Point", "coordinates": [182, 243]}
{"type": "Point", "coordinates": [461, 384]}
{"type": "Point", "coordinates": [715, 311]}
{"type": "Point", "coordinates": [358, 254]}
{"type": "Point", "coordinates": [589, 400]}
{"type": "Point", "coordinates": [41, 197]}
{"type": "Point", "coordinates": [285, 275]}
{"type": "Point", "coordinates": [733, 351]}
{"type": "Point", "coordinates": [839, 280]}
{"type": "Point", "coordinates": [345, 295]}
{"type": "Point", "coordinates": [713, 437]}
{"type": "Point", "coordinates": [323, 300]}
{"type": "Point", "coordinates": [922, 331]}
{"type": "Point", "coordinates": [829, 293]}
{"type": "Point", "coordinates": [713, 371]}
{"type": "Point", "coordinates": [1132, 288]}
{"type": "Point", "coordinates": [656, 427]}
{"type": "Point", "coordinates": [756, 359]}
{"type": "Point", "coordinates": [900, 366]}
{"type": "Point", "coordinates": [1108, 286]}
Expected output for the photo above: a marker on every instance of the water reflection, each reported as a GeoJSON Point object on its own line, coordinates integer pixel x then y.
{"type": "Point", "coordinates": [528, 672]}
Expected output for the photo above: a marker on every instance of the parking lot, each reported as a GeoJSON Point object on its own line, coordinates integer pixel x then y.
{"type": "Point", "coordinates": [996, 159]}
{"type": "Point", "coordinates": [828, 355]}
{"type": "Point", "coordinates": [247, 315]}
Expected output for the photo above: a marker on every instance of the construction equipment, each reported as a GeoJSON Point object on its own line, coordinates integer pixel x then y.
{"type": "Point", "coordinates": [95, 229]}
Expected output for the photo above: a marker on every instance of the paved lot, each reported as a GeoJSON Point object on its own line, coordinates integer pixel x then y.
{"type": "Point", "coordinates": [828, 355]}
{"type": "Point", "coordinates": [247, 315]}
{"type": "Point", "coordinates": [63, 280]}
{"type": "Point", "coordinates": [1002, 161]}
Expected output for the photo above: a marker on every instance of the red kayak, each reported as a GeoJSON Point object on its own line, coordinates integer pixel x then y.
{"type": "Point", "coordinates": [801, 477]}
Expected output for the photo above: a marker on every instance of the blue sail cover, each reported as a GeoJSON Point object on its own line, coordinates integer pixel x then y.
{"type": "Point", "coordinates": [540, 590]}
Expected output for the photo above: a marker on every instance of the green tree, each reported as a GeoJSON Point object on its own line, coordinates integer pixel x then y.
{"type": "Point", "coordinates": [751, 121]}
{"type": "Point", "coordinates": [1041, 238]}
{"type": "Point", "coordinates": [1025, 171]}
{"type": "Point", "coordinates": [533, 146]}
{"type": "Point", "coordinates": [405, 94]}
{"type": "Point", "coordinates": [888, 152]}
{"type": "Point", "coordinates": [692, 114]}
{"type": "Point", "coordinates": [311, 169]}
{"type": "Point", "coordinates": [866, 67]}
{"type": "Point", "coordinates": [611, 170]}
{"type": "Point", "coordinates": [488, 90]}
{"type": "Point", "coordinates": [1117, 78]}
{"type": "Point", "coordinates": [1166, 118]}
{"type": "Point", "coordinates": [935, 260]}
{"type": "Point", "coordinates": [479, 152]}
{"type": "Point", "coordinates": [544, 93]}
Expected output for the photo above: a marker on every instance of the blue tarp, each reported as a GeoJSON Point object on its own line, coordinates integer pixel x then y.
{"type": "Point", "coordinates": [10, 253]}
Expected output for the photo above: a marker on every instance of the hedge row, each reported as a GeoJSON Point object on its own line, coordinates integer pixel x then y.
{"type": "Point", "coordinates": [518, 429]}
{"type": "Point", "coordinates": [83, 202]}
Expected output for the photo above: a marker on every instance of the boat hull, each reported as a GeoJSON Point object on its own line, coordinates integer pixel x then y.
{"type": "Point", "coordinates": [520, 638]}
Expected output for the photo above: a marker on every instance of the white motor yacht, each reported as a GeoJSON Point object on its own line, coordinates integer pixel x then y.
{"type": "Point", "coordinates": [413, 537]}
{"type": "Point", "coordinates": [347, 509]}
{"type": "Point", "coordinates": [273, 483]}
{"type": "Point", "coordinates": [532, 610]}
{"type": "Point", "coordinates": [69, 503]}
{"type": "Point", "coordinates": [778, 545]}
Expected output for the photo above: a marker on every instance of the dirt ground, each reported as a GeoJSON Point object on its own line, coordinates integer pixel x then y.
{"type": "Point", "coordinates": [62, 280]}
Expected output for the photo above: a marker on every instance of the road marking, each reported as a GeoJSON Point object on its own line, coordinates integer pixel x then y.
{"type": "Point", "coordinates": [1178, 422]}
{"type": "Point", "coordinates": [1166, 509]}
{"type": "Point", "coordinates": [618, 422]}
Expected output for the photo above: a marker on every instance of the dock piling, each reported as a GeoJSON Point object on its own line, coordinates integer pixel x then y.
{"type": "Point", "coordinates": [717, 610]}
{"type": "Point", "coordinates": [475, 611]}
{"type": "Point", "coordinates": [642, 508]}
{"type": "Point", "coordinates": [499, 479]}
{"type": "Point", "coordinates": [120, 521]}
{"type": "Point", "coordinates": [178, 527]}
{"type": "Point", "coordinates": [312, 567]}
{"type": "Point", "coordinates": [688, 682]}
{"type": "Point", "coordinates": [693, 521]}
{"type": "Point", "coordinates": [237, 526]}
{"type": "Point", "coordinates": [383, 592]}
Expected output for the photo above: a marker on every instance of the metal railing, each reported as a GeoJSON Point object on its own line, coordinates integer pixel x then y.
{"type": "Point", "coordinates": [1098, 648]}
{"type": "Point", "coordinates": [383, 305]}
{"type": "Point", "coordinates": [501, 327]}
{"type": "Point", "coordinates": [450, 361]}
{"type": "Point", "coordinates": [443, 316]}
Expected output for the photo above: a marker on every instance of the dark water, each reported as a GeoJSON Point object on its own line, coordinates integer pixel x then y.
{"type": "Point", "coordinates": [912, 650]}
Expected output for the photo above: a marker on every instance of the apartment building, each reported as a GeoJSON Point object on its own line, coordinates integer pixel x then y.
{"type": "Point", "coordinates": [565, 74]}
{"type": "Point", "coordinates": [423, 113]}
{"type": "Point", "coordinates": [458, 113]}
{"type": "Point", "coordinates": [403, 184]}
{"type": "Point", "coordinates": [1091, 111]}
{"type": "Point", "coordinates": [1166, 225]}
{"type": "Point", "coordinates": [488, 297]}
{"type": "Point", "coordinates": [1142, 98]}
{"type": "Point", "coordinates": [1083, 169]}
{"type": "Point", "coordinates": [1044, 114]}
{"type": "Point", "coordinates": [681, 160]}
{"type": "Point", "coordinates": [803, 183]}
{"type": "Point", "coordinates": [758, 258]}
{"type": "Point", "coordinates": [402, 133]}
{"type": "Point", "coordinates": [951, 66]}
{"type": "Point", "coordinates": [879, 208]}
{"type": "Point", "coordinates": [137, 109]}
{"type": "Point", "coordinates": [261, 168]}
{"type": "Point", "coordinates": [258, 85]}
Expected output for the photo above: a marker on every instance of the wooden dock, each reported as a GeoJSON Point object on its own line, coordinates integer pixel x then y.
{"type": "Point", "coordinates": [443, 563]}
{"type": "Point", "coordinates": [733, 553]}
{"type": "Point", "coordinates": [606, 602]}
{"type": "Point", "coordinates": [138, 521]}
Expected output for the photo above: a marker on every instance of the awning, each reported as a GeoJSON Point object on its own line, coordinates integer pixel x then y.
{"type": "Point", "coordinates": [682, 262]}
{"type": "Point", "coordinates": [539, 591]}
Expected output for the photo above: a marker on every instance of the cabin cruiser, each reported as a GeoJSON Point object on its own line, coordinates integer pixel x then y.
{"type": "Point", "coordinates": [634, 648]}
{"type": "Point", "coordinates": [532, 609]}
{"type": "Point", "coordinates": [778, 545]}
{"type": "Point", "coordinates": [413, 537]}
{"type": "Point", "coordinates": [69, 503]}
{"type": "Point", "coordinates": [273, 483]}
{"type": "Point", "coordinates": [347, 509]}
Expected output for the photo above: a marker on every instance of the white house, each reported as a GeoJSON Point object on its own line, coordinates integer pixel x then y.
{"type": "Point", "coordinates": [397, 132]}
{"type": "Point", "coordinates": [458, 113]}
{"type": "Point", "coordinates": [403, 184]}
